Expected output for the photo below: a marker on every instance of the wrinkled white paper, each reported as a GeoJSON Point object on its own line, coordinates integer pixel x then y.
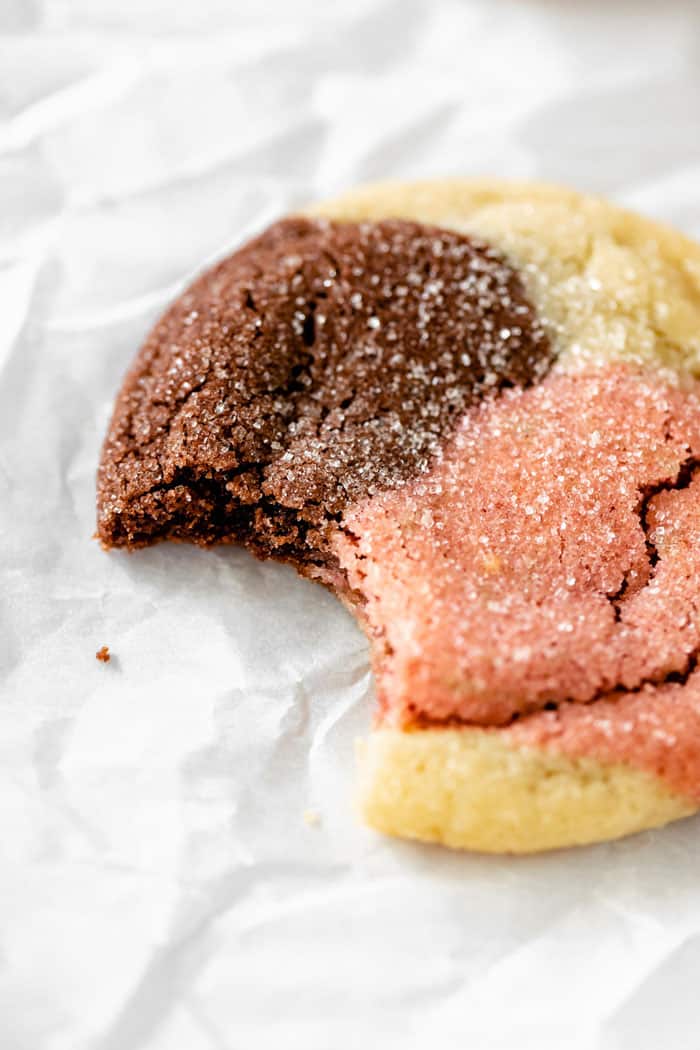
{"type": "Point", "coordinates": [159, 886]}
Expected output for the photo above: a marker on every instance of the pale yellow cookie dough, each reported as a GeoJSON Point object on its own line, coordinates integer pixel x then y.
{"type": "Point", "coordinates": [469, 790]}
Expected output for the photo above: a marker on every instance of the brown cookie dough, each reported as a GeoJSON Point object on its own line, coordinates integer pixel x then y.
{"type": "Point", "coordinates": [318, 364]}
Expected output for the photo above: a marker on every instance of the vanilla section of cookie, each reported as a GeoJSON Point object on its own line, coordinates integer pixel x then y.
{"type": "Point", "coordinates": [472, 410]}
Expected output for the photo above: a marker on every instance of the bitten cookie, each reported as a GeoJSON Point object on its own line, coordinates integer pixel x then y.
{"type": "Point", "coordinates": [472, 410]}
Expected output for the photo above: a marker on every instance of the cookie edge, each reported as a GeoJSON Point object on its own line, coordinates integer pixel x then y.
{"type": "Point", "coordinates": [469, 789]}
{"type": "Point", "coordinates": [452, 202]}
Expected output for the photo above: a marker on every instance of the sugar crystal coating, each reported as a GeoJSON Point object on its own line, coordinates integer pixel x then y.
{"type": "Point", "coordinates": [318, 364]}
{"type": "Point", "coordinates": [552, 553]}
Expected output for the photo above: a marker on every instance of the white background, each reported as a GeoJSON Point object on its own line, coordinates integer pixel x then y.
{"type": "Point", "coordinates": [159, 889]}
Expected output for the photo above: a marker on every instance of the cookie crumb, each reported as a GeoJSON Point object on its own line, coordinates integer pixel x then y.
{"type": "Point", "coordinates": [103, 655]}
{"type": "Point", "coordinates": [312, 817]}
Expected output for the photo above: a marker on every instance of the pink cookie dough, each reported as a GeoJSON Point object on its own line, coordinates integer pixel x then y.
{"type": "Point", "coordinates": [550, 556]}
{"type": "Point", "coordinates": [656, 728]}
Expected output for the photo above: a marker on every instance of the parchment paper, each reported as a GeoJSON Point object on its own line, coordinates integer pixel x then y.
{"type": "Point", "coordinates": [160, 888]}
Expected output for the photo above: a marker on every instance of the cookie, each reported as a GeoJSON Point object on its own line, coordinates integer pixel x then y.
{"type": "Point", "coordinates": [472, 410]}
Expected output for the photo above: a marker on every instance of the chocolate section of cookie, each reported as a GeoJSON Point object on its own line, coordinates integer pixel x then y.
{"type": "Point", "coordinates": [319, 364]}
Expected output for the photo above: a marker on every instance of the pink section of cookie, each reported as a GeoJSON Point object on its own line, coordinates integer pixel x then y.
{"type": "Point", "coordinates": [657, 729]}
{"type": "Point", "coordinates": [552, 553]}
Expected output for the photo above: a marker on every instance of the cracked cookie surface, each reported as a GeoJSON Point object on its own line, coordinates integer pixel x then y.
{"type": "Point", "coordinates": [551, 554]}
